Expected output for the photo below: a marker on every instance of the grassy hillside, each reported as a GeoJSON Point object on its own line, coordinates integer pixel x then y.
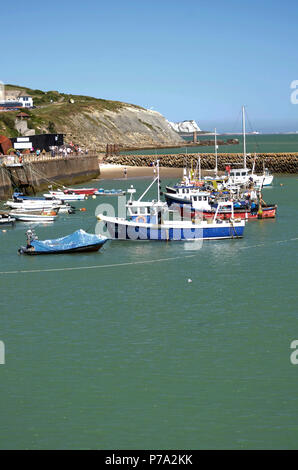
{"type": "Point", "coordinates": [53, 108]}
{"type": "Point", "coordinates": [91, 122]}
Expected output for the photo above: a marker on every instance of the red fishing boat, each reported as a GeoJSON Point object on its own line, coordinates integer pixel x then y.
{"type": "Point", "coordinates": [262, 212]}
{"type": "Point", "coordinates": [86, 191]}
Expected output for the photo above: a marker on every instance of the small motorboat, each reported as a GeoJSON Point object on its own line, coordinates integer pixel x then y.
{"type": "Point", "coordinates": [6, 218]}
{"type": "Point", "coordinates": [19, 196]}
{"type": "Point", "coordinates": [109, 192]}
{"type": "Point", "coordinates": [60, 195]}
{"type": "Point", "coordinates": [34, 216]}
{"type": "Point", "coordinates": [40, 205]}
{"type": "Point", "coordinates": [85, 191]}
{"type": "Point", "coordinates": [27, 205]}
{"type": "Point", "coordinates": [78, 242]}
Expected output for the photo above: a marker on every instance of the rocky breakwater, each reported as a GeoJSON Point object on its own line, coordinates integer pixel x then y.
{"type": "Point", "coordinates": [275, 162]}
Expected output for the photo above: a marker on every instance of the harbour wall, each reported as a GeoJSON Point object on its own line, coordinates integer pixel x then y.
{"type": "Point", "coordinates": [275, 162]}
{"type": "Point", "coordinates": [37, 174]}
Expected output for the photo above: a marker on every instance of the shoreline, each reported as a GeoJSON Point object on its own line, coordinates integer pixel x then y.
{"type": "Point", "coordinates": [110, 171]}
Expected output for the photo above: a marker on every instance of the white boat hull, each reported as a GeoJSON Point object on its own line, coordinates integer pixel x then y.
{"type": "Point", "coordinates": [26, 217]}
{"type": "Point", "coordinates": [64, 197]}
{"type": "Point", "coordinates": [38, 205]}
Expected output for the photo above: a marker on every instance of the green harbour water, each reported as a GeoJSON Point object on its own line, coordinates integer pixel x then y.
{"type": "Point", "coordinates": [130, 355]}
{"type": "Point", "coordinates": [255, 143]}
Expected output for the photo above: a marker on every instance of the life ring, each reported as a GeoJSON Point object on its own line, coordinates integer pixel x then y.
{"type": "Point", "coordinates": [141, 219]}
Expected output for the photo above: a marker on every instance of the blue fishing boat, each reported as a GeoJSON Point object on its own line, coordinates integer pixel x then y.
{"type": "Point", "coordinates": [78, 242]}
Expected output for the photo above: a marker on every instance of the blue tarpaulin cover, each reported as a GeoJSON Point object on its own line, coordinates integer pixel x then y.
{"type": "Point", "coordinates": [78, 239]}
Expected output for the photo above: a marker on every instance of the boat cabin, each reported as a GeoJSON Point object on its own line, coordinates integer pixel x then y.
{"type": "Point", "coordinates": [239, 176]}
{"type": "Point", "coordinates": [201, 201]}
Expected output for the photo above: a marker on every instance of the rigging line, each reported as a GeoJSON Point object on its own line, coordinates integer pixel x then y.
{"type": "Point", "coordinates": [233, 129]}
{"type": "Point", "coordinates": [9, 174]}
{"type": "Point", "coordinates": [44, 177]}
{"type": "Point", "coordinates": [257, 145]}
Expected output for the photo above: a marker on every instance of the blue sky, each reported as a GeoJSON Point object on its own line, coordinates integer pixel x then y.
{"type": "Point", "coordinates": [197, 60]}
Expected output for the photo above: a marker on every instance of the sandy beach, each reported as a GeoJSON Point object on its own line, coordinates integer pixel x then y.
{"type": "Point", "coordinates": [109, 171]}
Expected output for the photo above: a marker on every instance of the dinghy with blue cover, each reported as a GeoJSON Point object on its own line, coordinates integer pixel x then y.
{"type": "Point", "coordinates": [78, 242]}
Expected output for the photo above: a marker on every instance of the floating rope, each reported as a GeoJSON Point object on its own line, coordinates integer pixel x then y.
{"type": "Point", "coordinates": [102, 266]}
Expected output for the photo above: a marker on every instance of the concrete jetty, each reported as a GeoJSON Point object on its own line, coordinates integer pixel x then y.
{"type": "Point", "coordinates": [37, 173]}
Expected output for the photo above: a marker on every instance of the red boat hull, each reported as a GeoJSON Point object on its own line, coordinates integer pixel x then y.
{"type": "Point", "coordinates": [86, 191]}
{"type": "Point", "coordinates": [266, 213]}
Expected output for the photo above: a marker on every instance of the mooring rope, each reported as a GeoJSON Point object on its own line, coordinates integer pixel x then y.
{"type": "Point", "coordinates": [101, 266]}
{"type": "Point", "coordinates": [37, 173]}
{"type": "Point", "coordinates": [159, 260]}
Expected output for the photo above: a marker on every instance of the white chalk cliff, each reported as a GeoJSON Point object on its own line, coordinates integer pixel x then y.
{"type": "Point", "coordinates": [185, 126]}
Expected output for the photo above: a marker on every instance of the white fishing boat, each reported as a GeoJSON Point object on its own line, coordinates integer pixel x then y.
{"type": "Point", "coordinates": [41, 216]}
{"type": "Point", "coordinates": [217, 181]}
{"type": "Point", "coordinates": [244, 176]}
{"type": "Point", "coordinates": [37, 204]}
{"type": "Point", "coordinates": [51, 195]}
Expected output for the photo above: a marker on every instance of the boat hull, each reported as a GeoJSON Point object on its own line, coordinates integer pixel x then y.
{"type": "Point", "coordinates": [52, 195]}
{"type": "Point", "coordinates": [85, 191]}
{"type": "Point", "coordinates": [34, 218]}
{"type": "Point", "coordinates": [121, 230]}
{"type": "Point", "coordinates": [109, 193]}
{"type": "Point", "coordinates": [266, 213]}
{"type": "Point", "coordinates": [85, 249]}
{"type": "Point", "coordinates": [7, 220]}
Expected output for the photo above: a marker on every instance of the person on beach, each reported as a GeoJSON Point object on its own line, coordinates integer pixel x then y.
{"type": "Point", "coordinates": [125, 172]}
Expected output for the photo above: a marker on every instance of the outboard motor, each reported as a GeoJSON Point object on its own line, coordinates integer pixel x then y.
{"type": "Point", "coordinates": [31, 236]}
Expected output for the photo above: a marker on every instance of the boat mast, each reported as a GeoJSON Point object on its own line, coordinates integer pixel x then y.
{"type": "Point", "coordinates": [215, 142]}
{"type": "Point", "coordinates": [244, 140]}
{"type": "Point", "coordinates": [158, 181]}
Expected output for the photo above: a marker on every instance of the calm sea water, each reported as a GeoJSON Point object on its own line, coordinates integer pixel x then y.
{"type": "Point", "coordinates": [132, 356]}
{"type": "Point", "coordinates": [257, 143]}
